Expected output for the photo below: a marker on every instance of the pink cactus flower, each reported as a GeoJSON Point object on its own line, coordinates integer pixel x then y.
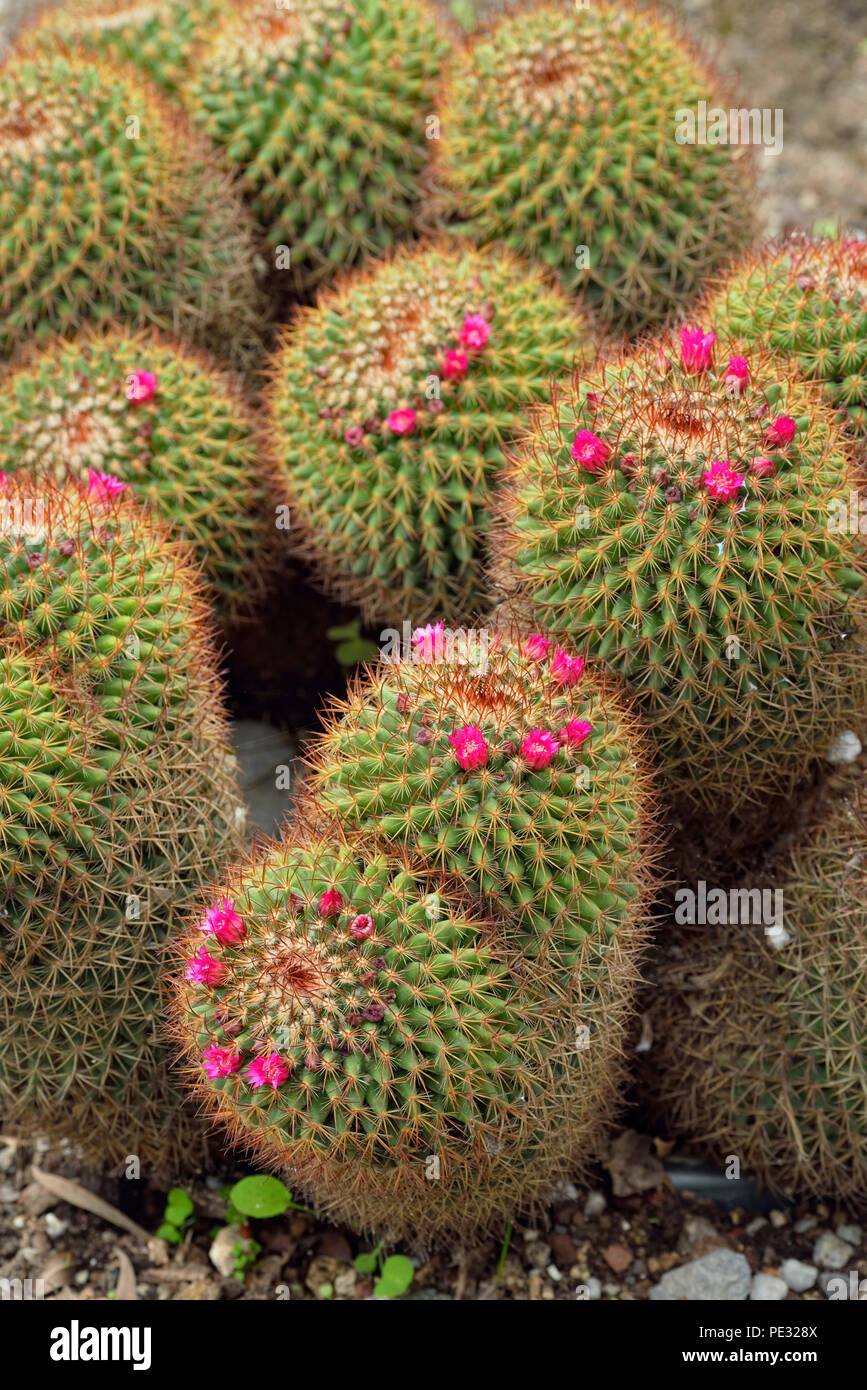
{"type": "Point", "coordinates": [537, 647]}
{"type": "Point", "coordinates": [538, 748]}
{"type": "Point", "coordinates": [780, 432]}
{"type": "Point", "coordinates": [470, 747]}
{"type": "Point", "coordinates": [566, 669]}
{"type": "Point", "coordinates": [428, 642]}
{"type": "Point", "coordinates": [103, 486]}
{"type": "Point", "coordinates": [722, 480]}
{"type": "Point", "coordinates": [140, 386]}
{"type": "Point", "coordinates": [737, 377]}
{"type": "Point", "coordinates": [401, 421]}
{"type": "Point", "coordinates": [220, 1061]}
{"type": "Point", "coordinates": [331, 903]}
{"type": "Point", "coordinates": [763, 467]}
{"type": "Point", "coordinates": [222, 921]}
{"type": "Point", "coordinates": [696, 349]}
{"type": "Point", "coordinates": [454, 364]}
{"type": "Point", "coordinates": [590, 451]}
{"type": "Point", "coordinates": [353, 436]}
{"type": "Point", "coordinates": [475, 332]}
{"type": "Point", "coordinates": [267, 1071]}
{"type": "Point", "coordinates": [576, 732]}
{"type": "Point", "coordinates": [361, 927]}
{"type": "Point", "coordinates": [204, 970]}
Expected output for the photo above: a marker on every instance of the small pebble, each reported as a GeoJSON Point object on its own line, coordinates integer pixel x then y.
{"type": "Point", "coordinates": [853, 1234]}
{"type": "Point", "coordinates": [755, 1226]}
{"type": "Point", "coordinates": [843, 749]}
{"type": "Point", "coordinates": [806, 1223]}
{"type": "Point", "coordinates": [54, 1226]}
{"type": "Point", "coordinates": [777, 1218]}
{"type": "Point", "coordinates": [797, 1275]}
{"type": "Point", "coordinates": [830, 1252]}
{"type": "Point", "coordinates": [767, 1288]}
{"type": "Point", "coordinates": [595, 1204]}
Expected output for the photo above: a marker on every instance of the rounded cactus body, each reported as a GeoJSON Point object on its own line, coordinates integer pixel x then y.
{"type": "Point", "coordinates": [807, 298]}
{"type": "Point", "coordinates": [564, 133]}
{"type": "Point", "coordinates": [349, 1016]}
{"type": "Point", "coordinates": [117, 802]}
{"type": "Point", "coordinates": [680, 513]}
{"type": "Point", "coordinates": [759, 1030]}
{"type": "Point", "coordinates": [113, 208]}
{"type": "Point", "coordinates": [158, 36]}
{"type": "Point", "coordinates": [161, 421]}
{"type": "Point", "coordinates": [321, 110]}
{"type": "Point", "coordinates": [389, 404]}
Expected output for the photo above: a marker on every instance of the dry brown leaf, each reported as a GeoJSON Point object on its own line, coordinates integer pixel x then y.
{"type": "Point", "coordinates": [78, 1196]}
{"type": "Point", "coordinates": [126, 1289]}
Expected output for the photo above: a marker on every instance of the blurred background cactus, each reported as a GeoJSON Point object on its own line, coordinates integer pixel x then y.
{"type": "Point", "coordinates": [808, 298]}
{"type": "Point", "coordinates": [332, 174]}
{"type": "Point", "coordinates": [559, 137]}
{"type": "Point", "coordinates": [113, 208]}
{"type": "Point", "coordinates": [166, 424]}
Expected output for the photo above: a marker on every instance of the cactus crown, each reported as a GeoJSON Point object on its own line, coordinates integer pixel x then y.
{"type": "Point", "coordinates": [365, 1025]}
{"type": "Point", "coordinates": [389, 402]}
{"type": "Point", "coordinates": [134, 406]}
{"type": "Point", "coordinates": [807, 298]}
{"type": "Point", "coordinates": [158, 36]}
{"type": "Point", "coordinates": [560, 137]}
{"type": "Point", "coordinates": [675, 509]}
{"type": "Point", "coordinates": [521, 779]}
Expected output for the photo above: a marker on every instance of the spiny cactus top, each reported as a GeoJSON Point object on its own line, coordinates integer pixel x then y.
{"type": "Point", "coordinates": [559, 135]}
{"type": "Point", "coordinates": [129, 410]}
{"type": "Point", "coordinates": [808, 298]}
{"type": "Point", "coordinates": [505, 763]}
{"type": "Point", "coordinates": [677, 512]}
{"type": "Point", "coordinates": [111, 207]}
{"type": "Point", "coordinates": [760, 1047]}
{"type": "Point", "coordinates": [389, 404]}
{"type": "Point", "coordinates": [157, 35]}
{"type": "Point", "coordinates": [320, 107]}
{"type": "Point", "coordinates": [116, 800]}
{"type": "Point", "coordinates": [386, 1042]}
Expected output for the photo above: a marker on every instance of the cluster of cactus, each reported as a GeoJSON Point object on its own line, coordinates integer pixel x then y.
{"type": "Point", "coordinates": [560, 137]}
{"type": "Point", "coordinates": [389, 404]}
{"type": "Point", "coordinates": [758, 1034]}
{"type": "Point", "coordinates": [320, 108]}
{"type": "Point", "coordinates": [113, 208]}
{"type": "Point", "coordinates": [806, 298]}
{"type": "Point", "coordinates": [159, 36]}
{"type": "Point", "coordinates": [130, 410]}
{"type": "Point", "coordinates": [117, 801]}
{"type": "Point", "coordinates": [677, 512]}
{"type": "Point", "coordinates": [447, 978]}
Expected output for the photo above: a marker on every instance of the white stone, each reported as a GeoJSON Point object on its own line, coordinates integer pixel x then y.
{"type": "Point", "coordinates": [843, 749]}
{"type": "Point", "coordinates": [54, 1226]}
{"type": "Point", "coordinates": [721, 1275]}
{"type": "Point", "coordinates": [798, 1276]}
{"type": "Point", "coordinates": [596, 1203]}
{"type": "Point", "coordinates": [854, 1234]}
{"type": "Point", "coordinates": [830, 1252]}
{"type": "Point", "coordinates": [767, 1288]}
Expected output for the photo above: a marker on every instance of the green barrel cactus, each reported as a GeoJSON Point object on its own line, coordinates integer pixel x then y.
{"type": "Point", "coordinates": [385, 1042]}
{"type": "Point", "coordinates": [684, 513]}
{"type": "Point", "coordinates": [113, 208]}
{"type": "Point", "coordinates": [389, 403]}
{"type": "Point", "coordinates": [160, 420]}
{"type": "Point", "coordinates": [158, 36]}
{"type": "Point", "coordinates": [807, 298]}
{"type": "Point", "coordinates": [117, 801]}
{"type": "Point", "coordinates": [321, 109]}
{"type": "Point", "coordinates": [564, 133]}
{"type": "Point", "coordinates": [758, 1032]}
